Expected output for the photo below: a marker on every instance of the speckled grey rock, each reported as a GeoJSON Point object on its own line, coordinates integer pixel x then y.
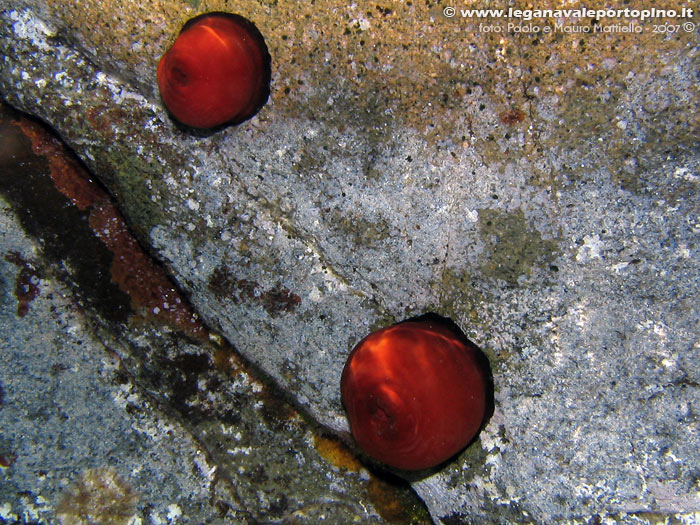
{"type": "Point", "coordinates": [539, 189]}
{"type": "Point", "coordinates": [104, 426]}
{"type": "Point", "coordinates": [63, 415]}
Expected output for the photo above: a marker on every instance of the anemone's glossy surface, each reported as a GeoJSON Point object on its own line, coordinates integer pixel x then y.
{"type": "Point", "coordinates": [415, 394]}
{"type": "Point", "coordinates": [216, 72]}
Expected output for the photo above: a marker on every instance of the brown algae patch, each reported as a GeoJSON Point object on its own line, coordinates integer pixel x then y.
{"type": "Point", "coordinates": [26, 284]}
{"type": "Point", "coordinates": [333, 451]}
{"type": "Point", "coordinates": [99, 496]}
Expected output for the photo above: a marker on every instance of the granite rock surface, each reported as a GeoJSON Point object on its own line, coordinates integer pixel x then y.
{"type": "Point", "coordinates": [117, 405]}
{"type": "Point", "coordinates": [538, 187]}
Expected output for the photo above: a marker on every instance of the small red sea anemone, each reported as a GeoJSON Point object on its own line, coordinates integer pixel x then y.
{"type": "Point", "coordinates": [415, 393]}
{"type": "Point", "coordinates": [217, 71]}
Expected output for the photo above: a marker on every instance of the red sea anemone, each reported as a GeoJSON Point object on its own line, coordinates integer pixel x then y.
{"type": "Point", "coordinates": [415, 393]}
{"type": "Point", "coordinates": [216, 72]}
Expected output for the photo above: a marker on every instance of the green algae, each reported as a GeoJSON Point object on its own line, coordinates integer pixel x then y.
{"type": "Point", "coordinates": [515, 249]}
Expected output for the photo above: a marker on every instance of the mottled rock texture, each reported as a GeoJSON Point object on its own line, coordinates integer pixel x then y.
{"type": "Point", "coordinates": [116, 404]}
{"type": "Point", "coordinates": [537, 187]}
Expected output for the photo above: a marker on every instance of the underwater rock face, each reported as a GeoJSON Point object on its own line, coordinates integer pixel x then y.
{"type": "Point", "coordinates": [150, 395]}
{"type": "Point", "coordinates": [544, 199]}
